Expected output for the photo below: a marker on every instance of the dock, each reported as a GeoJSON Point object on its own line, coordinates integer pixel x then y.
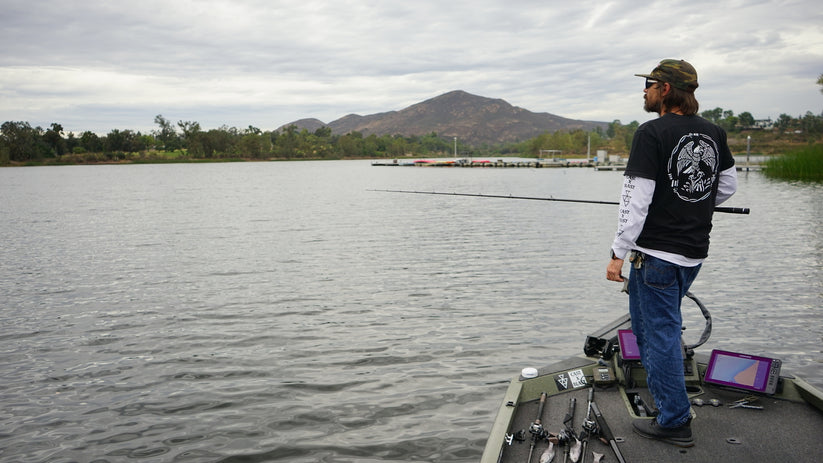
{"type": "Point", "coordinates": [534, 164]}
{"type": "Point", "coordinates": [611, 167]}
{"type": "Point", "coordinates": [499, 163]}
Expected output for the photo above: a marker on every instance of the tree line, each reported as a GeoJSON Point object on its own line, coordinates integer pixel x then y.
{"type": "Point", "coordinates": [20, 142]}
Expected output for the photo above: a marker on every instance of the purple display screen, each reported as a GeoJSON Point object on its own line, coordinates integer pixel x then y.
{"type": "Point", "coordinates": [628, 345]}
{"type": "Point", "coordinates": [743, 371]}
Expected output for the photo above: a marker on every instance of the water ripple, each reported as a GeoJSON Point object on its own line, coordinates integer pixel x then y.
{"type": "Point", "coordinates": [281, 312]}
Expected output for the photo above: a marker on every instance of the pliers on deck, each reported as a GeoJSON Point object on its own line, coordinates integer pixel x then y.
{"type": "Point", "coordinates": [746, 402]}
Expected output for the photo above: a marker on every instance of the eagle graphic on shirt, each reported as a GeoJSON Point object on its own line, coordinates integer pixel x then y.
{"type": "Point", "coordinates": [693, 167]}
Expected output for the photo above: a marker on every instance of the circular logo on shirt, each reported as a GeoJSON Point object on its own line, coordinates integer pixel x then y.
{"type": "Point", "coordinates": [693, 166]}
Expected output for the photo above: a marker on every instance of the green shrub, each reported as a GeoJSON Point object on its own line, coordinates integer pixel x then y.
{"type": "Point", "coordinates": [801, 164]}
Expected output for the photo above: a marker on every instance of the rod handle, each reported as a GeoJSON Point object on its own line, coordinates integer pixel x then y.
{"type": "Point", "coordinates": [540, 410]}
{"type": "Point", "coordinates": [732, 210]}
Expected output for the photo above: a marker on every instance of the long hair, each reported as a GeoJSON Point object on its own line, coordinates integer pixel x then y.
{"type": "Point", "coordinates": [685, 100]}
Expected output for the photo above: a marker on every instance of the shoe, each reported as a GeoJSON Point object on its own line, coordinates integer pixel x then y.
{"type": "Point", "coordinates": [680, 436]}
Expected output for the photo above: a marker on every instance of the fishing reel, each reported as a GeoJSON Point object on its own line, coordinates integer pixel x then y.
{"type": "Point", "coordinates": [590, 428]}
{"type": "Point", "coordinates": [564, 437]}
{"type": "Point", "coordinates": [537, 430]}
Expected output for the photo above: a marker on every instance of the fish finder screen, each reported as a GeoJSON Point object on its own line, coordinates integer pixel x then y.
{"type": "Point", "coordinates": [742, 371]}
{"type": "Point", "coordinates": [628, 345]}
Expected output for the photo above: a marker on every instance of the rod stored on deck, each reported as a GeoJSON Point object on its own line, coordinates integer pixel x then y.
{"type": "Point", "coordinates": [728, 210]}
{"type": "Point", "coordinates": [589, 426]}
{"type": "Point", "coordinates": [537, 426]}
{"type": "Point", "coordinates": [606, 432]}
{"type": "Point", "coordinates": [569, 433]}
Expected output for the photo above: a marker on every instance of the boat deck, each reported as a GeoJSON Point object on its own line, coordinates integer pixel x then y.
{"type": "Point", "coordinates": [782, 431]}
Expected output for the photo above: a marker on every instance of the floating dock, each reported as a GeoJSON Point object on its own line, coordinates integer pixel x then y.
{"type": "Point", "coordinates": [612, 167]}
{"type": "Point", "coordinates": [499, 163]}
{"type": "Point", "coordinates": [537, 163]}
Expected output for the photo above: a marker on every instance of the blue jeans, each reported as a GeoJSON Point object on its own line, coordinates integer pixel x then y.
{"type": "Point", "coordinates": [655, 293]}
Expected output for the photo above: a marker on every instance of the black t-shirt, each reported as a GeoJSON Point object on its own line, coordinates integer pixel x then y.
{"type": "Point", "coordinates": [684, 156]}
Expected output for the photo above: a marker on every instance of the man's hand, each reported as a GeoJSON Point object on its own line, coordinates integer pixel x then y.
{"type": "Point", "coordinates": [614, 270]}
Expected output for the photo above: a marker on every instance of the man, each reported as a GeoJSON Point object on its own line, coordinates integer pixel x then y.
{"type": "Point", "coordinates": [679, 169]}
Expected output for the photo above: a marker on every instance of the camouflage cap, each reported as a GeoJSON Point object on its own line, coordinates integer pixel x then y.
{"type": "Point", "coordinates": [678, 73]}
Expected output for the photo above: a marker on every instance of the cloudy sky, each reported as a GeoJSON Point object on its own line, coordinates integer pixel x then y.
{"type": "Point", "coordinates": [101, 65]}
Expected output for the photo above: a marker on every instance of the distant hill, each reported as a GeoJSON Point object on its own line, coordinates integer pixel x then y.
{"type": "Point", "coordinates": [473, 119]}
{"type": "Point", "coordinates": [309, 124]}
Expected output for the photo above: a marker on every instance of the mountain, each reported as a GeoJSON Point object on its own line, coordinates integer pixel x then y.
{"type": "Point", "coordinates": [310, 124]}
{"type": "Point", "coordinates": [473, 119]}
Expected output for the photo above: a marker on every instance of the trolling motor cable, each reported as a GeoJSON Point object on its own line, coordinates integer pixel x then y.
{"type": "Point", "coordinates": [728, 210]}
{"type": "Point", "coordinates": [707, 329]}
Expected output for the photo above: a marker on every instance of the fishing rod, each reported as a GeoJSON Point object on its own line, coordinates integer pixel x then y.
{"type": "Point", "coordinates": [536, 429]}
{"type": "Point", "coordinates": [606, 432]}
{"type": "Point", "coordinates": [589, 426]}
{"type": "Point", "coordinates": [728, 210]}
{"type": "Point", "coordinates": [568, 434]}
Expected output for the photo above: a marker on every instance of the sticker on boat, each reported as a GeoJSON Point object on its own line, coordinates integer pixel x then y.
{"type": "Point", "coordinates": [573, 379]}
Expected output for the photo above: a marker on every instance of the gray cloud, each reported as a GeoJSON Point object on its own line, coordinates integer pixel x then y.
{"type": "Point", "coordinates": [96, 65]}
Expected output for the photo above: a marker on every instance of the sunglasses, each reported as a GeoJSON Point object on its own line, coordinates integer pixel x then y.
{"type": "Point", "coordinates": [650, 83]}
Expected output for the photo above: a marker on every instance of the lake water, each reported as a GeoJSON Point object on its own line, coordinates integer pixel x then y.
{"type": "Point", "coordinates": [283, 312]}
